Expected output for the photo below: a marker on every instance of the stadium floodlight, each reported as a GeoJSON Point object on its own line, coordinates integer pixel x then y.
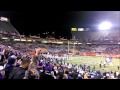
{"type": "Point", "coordinates": [105, 26]}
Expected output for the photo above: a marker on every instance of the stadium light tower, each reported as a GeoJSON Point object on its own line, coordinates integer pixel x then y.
{"type": "Point", "coordinates": [105, 26]}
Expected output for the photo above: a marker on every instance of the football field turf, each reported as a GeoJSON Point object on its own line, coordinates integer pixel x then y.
{"type": "Point", "coordinates": [94, 61]}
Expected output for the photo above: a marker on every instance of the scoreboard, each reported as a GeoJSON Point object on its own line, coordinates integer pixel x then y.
{"type": "Point", "coordinates": [77, 32]}
{"type": "Point", "coordinates": [79, 29]}
{"type": "Point", "coordinates": [74, 29]}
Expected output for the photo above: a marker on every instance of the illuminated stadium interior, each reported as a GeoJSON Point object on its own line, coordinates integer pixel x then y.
{"type": "Point", "coordinates": [91, 53]}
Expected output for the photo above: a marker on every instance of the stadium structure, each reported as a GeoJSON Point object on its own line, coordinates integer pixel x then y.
{"type": "Point", "coordinates": [6, 27]}
{"type": "Point", "coordinates": [88, 46]}
{"type": "Point", "coordinates": [9, 33]}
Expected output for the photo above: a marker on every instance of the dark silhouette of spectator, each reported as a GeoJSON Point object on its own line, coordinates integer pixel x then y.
{"type": "Point", "coordinates": [46, 75]}
{"type": "Point", "coordinates": [9, 66]}
{"type": "Point", "coordinates": [19, 72]}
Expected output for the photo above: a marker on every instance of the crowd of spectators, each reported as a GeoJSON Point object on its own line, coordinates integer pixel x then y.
{"type": "Point", "coordinates": [61, 48]}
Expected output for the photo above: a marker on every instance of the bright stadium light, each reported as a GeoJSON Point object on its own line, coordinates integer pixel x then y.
{"type": "Point", "coordinates": [105, 26]}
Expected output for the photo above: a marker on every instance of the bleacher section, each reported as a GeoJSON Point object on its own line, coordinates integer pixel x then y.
{"type": "Point", "coordinates": [7, 28]}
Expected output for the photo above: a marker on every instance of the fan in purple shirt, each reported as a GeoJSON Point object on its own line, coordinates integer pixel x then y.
{"type": "Point", "coordinates": [40, 66]}
{"type": "Point", "coordinates": [48, 67]}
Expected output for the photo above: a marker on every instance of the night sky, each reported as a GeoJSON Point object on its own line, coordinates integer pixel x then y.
{"type": "Point", "coordinates": [35, 22]}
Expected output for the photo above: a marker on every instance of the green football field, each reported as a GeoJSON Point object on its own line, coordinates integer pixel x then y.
{"type": "Point", "coordinates": [94, 61]}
